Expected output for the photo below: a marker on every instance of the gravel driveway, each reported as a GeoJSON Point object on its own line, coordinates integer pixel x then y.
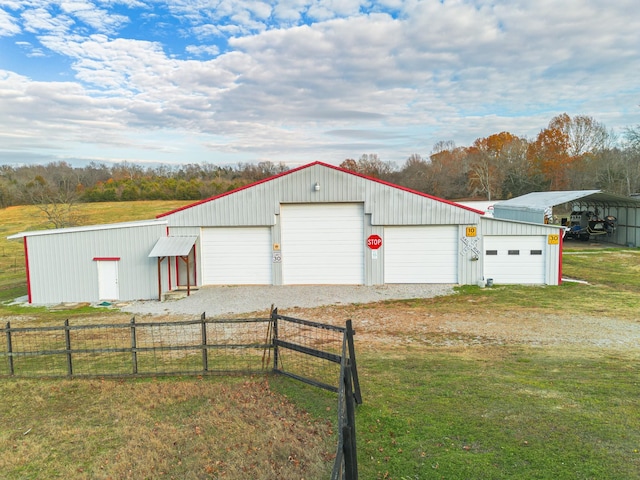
{"type": "Point", "coordinates": [227, 300]}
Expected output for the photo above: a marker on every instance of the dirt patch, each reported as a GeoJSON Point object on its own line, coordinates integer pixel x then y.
{"type": "Point", "coordinates": [394, 324]}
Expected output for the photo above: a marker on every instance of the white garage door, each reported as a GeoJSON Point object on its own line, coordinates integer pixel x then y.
{"type": "Point", "coordinates": [236, 256]}
{"type": "Point", "coordinates": [514, 259]}
{"type": "Point", "coordinates": [322, 244]}
{"type": "Point", "coordinates": [421, 254]}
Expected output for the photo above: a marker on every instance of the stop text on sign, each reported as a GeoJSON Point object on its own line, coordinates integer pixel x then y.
{"type": "Point", "coordinates": [374, 242]}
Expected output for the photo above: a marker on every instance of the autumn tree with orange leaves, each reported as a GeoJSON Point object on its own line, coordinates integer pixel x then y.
{"type": "Point", "coordinates": [562, 152]}
{"type": "Point", "coordinates": [487, 164]}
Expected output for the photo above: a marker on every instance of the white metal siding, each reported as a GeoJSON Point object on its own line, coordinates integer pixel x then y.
{"type": "Point", "coordinates": [62, 266]}
{"type": "Point", "coordinates": [514, 259]}
{"type": "Point", "coordinates": [415, 254]}
{"type": "Point", "coordinates": [322, 244]}
{"type": "Point", "coordinates": [236, 256]}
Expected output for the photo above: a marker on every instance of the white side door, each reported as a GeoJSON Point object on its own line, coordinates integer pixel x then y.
{"type": "Point", "coordinates": [108, 288]}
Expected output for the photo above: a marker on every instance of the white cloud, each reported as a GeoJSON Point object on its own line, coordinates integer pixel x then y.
{"type": "Point", "coordinates": [98, 18]}
{"type": "Point", "coordinates": [8, 24]}
{"type": "Point", "coordinates": [39, 20]}
{"type": "Point", "coordinates": [398, 78]}
{"type": "Point", "coordinates": [203, 50]}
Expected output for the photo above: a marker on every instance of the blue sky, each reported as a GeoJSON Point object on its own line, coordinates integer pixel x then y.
{"type": "Point", "coordinates": [294, 81]}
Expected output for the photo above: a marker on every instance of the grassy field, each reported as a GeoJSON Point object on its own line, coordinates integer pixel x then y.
{"type": "Point", "coordinates": [486, 411]}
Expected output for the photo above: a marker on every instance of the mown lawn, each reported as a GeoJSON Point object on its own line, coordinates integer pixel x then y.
{"type": "Point", "coordinates": [487, 412]}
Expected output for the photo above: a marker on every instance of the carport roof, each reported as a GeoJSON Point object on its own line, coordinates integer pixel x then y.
{"type": "Point", "coordinates": [173, 246]}
{"type": "Point", "coordinates": [541, 200]}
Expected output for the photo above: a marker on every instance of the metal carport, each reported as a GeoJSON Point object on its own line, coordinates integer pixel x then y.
{"type": "Point", "coordinates": [533, 207]}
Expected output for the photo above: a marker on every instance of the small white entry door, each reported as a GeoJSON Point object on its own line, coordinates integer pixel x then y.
{"type": "Point", "coordinates": [108, 280]}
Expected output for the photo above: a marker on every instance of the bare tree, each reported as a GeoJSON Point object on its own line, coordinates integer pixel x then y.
{"type": "Point", "coordinates": [416, 174]}
{"type": "Point", "coordinates": [448, 171]}
{"type": "Point", "coordinates": [57, 197]}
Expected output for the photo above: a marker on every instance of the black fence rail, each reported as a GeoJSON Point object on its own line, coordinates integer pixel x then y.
{"type": "Point", "coordinates": [319, 354]}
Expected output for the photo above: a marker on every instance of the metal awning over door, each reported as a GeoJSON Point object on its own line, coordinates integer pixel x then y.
{"type": "Point", "coordinates": [179, 247]}
{"type": "Point", "coordinates": [173, 246]}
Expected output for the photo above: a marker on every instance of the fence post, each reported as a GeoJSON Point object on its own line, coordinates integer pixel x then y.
{"type": "Point", "coordinates": [67, 344]}
{"type": "Point", "coordinates": [349, 430]}
{"type": "Point", "coordinates": [205, 360]}
{"type": "Point", "coordinates": [274, 319]}
{"type": "Point", "coordinates": [134, 353]}
{"type": "Point", "coordinates": [350, 332]}
{"type": "Point", "coordinates": [9, 349]}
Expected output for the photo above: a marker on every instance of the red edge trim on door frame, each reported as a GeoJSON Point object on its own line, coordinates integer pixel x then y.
{"type": "Point", "coordinates": [26, 264]}
{"type": "Point", "coordinates": [560, 246]}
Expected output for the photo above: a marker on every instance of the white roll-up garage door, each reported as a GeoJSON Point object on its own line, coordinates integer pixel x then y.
{"type": "Point", "coordinates": [421, 254]}
{"type": "Point", "coordinates": [236, 256]}
{"type": "Point", "coordinates": [322, 243]}
{"type": "Point", "coordinates": [515, 259]}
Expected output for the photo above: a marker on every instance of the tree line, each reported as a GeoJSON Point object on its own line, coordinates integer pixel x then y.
{"type": "Point", "coordinates": [576, 153]}
{"type": "Point", "coordinates": [569, 154]}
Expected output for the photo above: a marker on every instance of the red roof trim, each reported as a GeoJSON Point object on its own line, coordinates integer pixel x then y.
{"type": "Point", "coordinates": [106, 259]}
{"type": "Point", "coordinates": [244, 187]}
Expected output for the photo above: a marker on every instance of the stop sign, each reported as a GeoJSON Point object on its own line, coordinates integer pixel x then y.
{"type": "Point", "coordinates": [374, 242]}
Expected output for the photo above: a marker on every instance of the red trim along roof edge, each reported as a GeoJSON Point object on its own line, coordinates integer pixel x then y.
{"type": "Point", "coordinates": [244, 187]}
{"type": "Point", "coordinates": [106, 259]}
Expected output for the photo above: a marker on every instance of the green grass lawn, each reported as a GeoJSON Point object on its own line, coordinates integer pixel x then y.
{"type": "Point", "coordinates": [499, 413]}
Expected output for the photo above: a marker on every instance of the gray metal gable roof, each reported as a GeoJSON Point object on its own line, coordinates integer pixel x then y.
{"type": "Point", "coordinates": [542, 200]}
{"type": "Point", "coordinates": [258, 203]}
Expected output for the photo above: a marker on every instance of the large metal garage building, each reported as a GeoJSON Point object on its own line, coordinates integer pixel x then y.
{"type": "Point", "coordinates": [316, 224]}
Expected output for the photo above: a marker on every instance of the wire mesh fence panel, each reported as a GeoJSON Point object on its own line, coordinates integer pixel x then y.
{"type": "Point", "coordinates": [239, 345]}
{"type": "Point", "coordinates": [167, 347]}
{"type": "Point", "coordinates": [308, 351]}
{"type": "Point", "coordinates": [39, 351]}
{"type": "Point", "coordinates": [319, 371]}
{"type": "Point", "coordinates": [100, 349]}
{"type": "Point", "coordinates": [148, 348]}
